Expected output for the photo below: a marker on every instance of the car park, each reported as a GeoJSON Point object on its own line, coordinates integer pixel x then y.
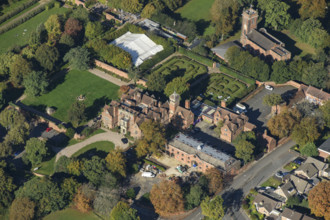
{"type": "Point", "coordinates": [268, 87]}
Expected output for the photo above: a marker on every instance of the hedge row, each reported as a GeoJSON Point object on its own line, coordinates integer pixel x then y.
{"type": "Point", "coordinates": [157, 58]}
{"type": "Point", "coordinates": [17, 10]}
{"type": "Point", "coordinates": [27, 17]}
{"type": "Point", "coordinates": [204, 60]}
{"type": "Point", "coordinates": [231, 72]}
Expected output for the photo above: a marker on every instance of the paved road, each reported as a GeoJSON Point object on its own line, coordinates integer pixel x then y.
{"type": "Point", "coordinates": [108, 77]}
{"type": "Point", "coordinates": [107, 136]}
{"type": "Point", "coordinates": [259, 172]}
{"type": "Point", "coordinates": [259, 113]}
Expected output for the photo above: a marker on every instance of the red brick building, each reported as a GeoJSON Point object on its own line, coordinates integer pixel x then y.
{"type": "Point", "coordinates": [314, 95]}
{"type": "Point", "coordinates": [260, 42]}
{"type": "Point", "coordinates": [196, 154]}
{"type": "Point", "coordinates": [324, 149]}
{"type": "Point", "coordinates": [135, 107]}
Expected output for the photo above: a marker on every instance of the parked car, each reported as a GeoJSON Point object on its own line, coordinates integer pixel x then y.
{"type": "Point", "coordinates": [148, 174]}
{"type": "Point", "coordinates": [269, 87]}
{"type": "Point", "coordinates": [279, 174]}
{"type": "Point", "coordinates": [298, 161]}
{"type": "Point", "coordinates": [124, 140]}
{"type": "Point", "coordinates": [49, 129]}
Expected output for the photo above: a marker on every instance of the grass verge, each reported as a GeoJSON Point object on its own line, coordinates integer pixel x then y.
{"type": "Point", "coordinates": [105, 146]}
{"type": "Point", "coordinates": [272, 182]}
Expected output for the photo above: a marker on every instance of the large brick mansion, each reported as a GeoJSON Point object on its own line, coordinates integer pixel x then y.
{"type": "Point", "coordinates": [135, 107]}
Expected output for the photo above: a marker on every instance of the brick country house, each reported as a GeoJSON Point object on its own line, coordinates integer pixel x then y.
{"type": "Point", "coordinates": [314, 95]}
{"type": "Point", "coordinates": [196, 154]}
{"type": "Point", "coordinates": [234, 123]}
{"type": "Point", "coordinates": [135, 107]}
{"type": "Point", "coordinates": [260, 42]}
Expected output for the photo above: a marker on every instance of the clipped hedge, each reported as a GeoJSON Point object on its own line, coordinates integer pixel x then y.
{"type": "Point", "coordinates": [233, 73]}
{"type": "Point", "coordinates": [16, 10]}
{"type": "Point", "coordinates": [27, 17]}
{"type": "Point", "coordinates": [204, 60]}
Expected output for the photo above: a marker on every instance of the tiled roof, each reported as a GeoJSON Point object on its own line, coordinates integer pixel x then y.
{"type": "Point", "coordinates": [309, 169]}
{"type": "Point", "coordinates": [261, 40]}
{"type": "Point", "coordinates": [325, 146]}
{"type": "Point", "coordinates": [318, 93]}
{"type": "Point", "coordinates": [264, 201]}
{"type": "Point", "coordinates": [291, 214]}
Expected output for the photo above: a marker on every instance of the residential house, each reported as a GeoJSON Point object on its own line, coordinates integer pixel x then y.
{"type": "Point", "coordinates": [199, 155]}
{"type": "Point", "coordinates": [233, 123]}
{"type": "Point", "coordinates": [135, 107]}
{"type": "Point", "coordinates": [266, 205]}
{"type": "Point", "coordinates": [314, 95]}
{"type": "Point", "coordinates": [313, 168]}
{"type": "Point", "coordinates": [302, 186]}
{"type": "Point", "coordinates": [324, 149]}
{"type": "Point", "coordinates": [289, 214]}
{"type": "Point", "coordinates": [260, 42]}
{"type": "Point", "coordinates": [286, 190]}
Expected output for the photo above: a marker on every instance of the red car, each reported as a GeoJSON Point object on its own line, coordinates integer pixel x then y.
{"type": "Point", "coordinates": [49, 129]}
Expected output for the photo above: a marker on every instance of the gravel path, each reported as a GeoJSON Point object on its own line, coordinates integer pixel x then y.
{"type": "Point", "coordinates": [108, 77]}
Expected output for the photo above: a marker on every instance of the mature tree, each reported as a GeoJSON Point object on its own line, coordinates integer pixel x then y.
{"type": "Point", "coordinates": [306, 131]}
{"type": "Point", "coordinates": [312, 9]}
{"type": "Point", "coordinates": [171, 193]}
{"type": "Point", "coordinates": [47, 56]}
{"type": "Point", "coordinates": [76, 113]}
{"type": "Point", "coordinates": [325, 109]}
{"type": "Point", "coordinates": [122, 211]}
{"type": "Point", "coordinates": [133, 74]}
{"type": "Point", "coordinates": [35, 83]}
{"type": "Point", "coordinates": [82, 14]}
{"type": "Point", "coordinates": [94, 170]}
{"type": "Point", "coordinates": [153, 139]}
{"type": "Point", "coordinates": [2, 100]}
{"type": "Point", "coordinates": [276, 15]}
{"type": "Point", "coordinates": [245, 136]}
{"type": "Point", "coordinates": [82, 202]}
{"type": "Point", "coordinates": [156, 81]}
{"type": "Point", "coordinates": [22, 209]}
{"type": "Point", "coordinates": [67, 41]}
{"type": "Point", "coordinates": [282, 124]}
{"type": "Point", "coordinates": [47, 196]}
{"type": "Point", "coordinates": [224, 14]}
{"type": "Point", "coordinates": [18, 69]}
{"type": "Point", "coordinates": [315, 74]}
{"type": "Point", "coordinates": [5, 149]}
{"type": "Point", "coordinates": [318, 200]}
{"type": "Point", "coordinates": [173, 4]}
{"type": "Point", "coordinates": [6, 189]}
{"type": "Point", "coordinates": [78, 58]}
{"type": "Point", "coordinates": [309, 150]}
{"type": "Point", "coordinates": [122, 60]}
{"type": "Point", "coordinates": [217, 129]}
{"type": "Point", "coordinates": [70, 187]}
{"type": "Point", "coordinates": [53, 27]}
{"type": "Point", "coordinates": [215, 180]}
{"type": "Point", "coordinates": [6, 60]}
{"type": "Point", "coordinates": [93, 30]}
{"type": "Point", "coordinates": [116, 162]}
{"type": "Point", "coordinates": [133, 6]}
{"type": "Point", "coordinates": [36, 150]}
{"type": "Point", "coordinates": [105, 199]}
{"type": "Point", "coordinates": [72, 27]}
{"type": "Point", "coordinates": [152, 8]}
{"type": "Point", "coordinates": [292, 201]}
{"type": "Point", "coordinates": [74, 167]}
{"type": "Point", "coordinates": [179, 85]}
{"type": "Point", "coordinates": [244, 150]}
{"type": "Point", "coordinates": [195, 196]}
{"type": "Point", "coordinates": [272, 99]}
{"type": "Point", "coordinates": [281, 73]}
{"type": "Point", "coordinates": [213, 208]}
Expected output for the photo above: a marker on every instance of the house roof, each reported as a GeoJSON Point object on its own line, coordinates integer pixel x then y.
{"type": "Point", "coordinates": [318, 93]}
{"type": "Point", "coordinates": [309, 169]}
{"type": "Point", "coordinates": [139, 46]}
{"type": "Point", "coordinates": [317, 163]}
{"type": "Point", "coordinates": [291, 214]}
{"type": "Point", "coordinates": [325, 146]}
{"type": "Point", "coordinates": [288, 189]}
{"type": "Point", "coordinates": [261, 40]}
{"type": "Point", "coordinates": [264, 201]}
{"type": "Point", "coordinates": [301, 185]}
{"type": "Point", "coordinates": [222, 49]}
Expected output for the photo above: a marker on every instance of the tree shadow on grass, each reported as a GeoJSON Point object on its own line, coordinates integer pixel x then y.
{"type": "Point", "coordinates": [289, 42]}
{"type": "Point", "coordinates": [93, 152]}
{"type": "Point", "coordinates": [201, 26]}
{"type": "Point", "coordinates": [58, 79]}
{"type": "Point", "coordinates": [97, 105]}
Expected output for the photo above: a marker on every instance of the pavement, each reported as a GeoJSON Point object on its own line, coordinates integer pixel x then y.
{"type": "Point", "coordinates": [107, 136]}
{"type": "Point", "coordinates": [258, 173]}
{"type": "Point", "coordinates": [259, 113]}
{"type": "Point", "coordinates": [108, 77]}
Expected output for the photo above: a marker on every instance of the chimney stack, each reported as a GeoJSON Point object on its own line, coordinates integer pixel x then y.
{"type": "Point", "coordinates": [223, 103]}
{"type": "Point", "coordinates": [187, 104]}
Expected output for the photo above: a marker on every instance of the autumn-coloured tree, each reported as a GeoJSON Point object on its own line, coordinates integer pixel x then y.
{"type": "Point", "coordinates": [22, 209]}
{"type": "Point", "coordinates": [167, 198]}
{"type": "Point", "coordinates": [272, 99]}
{"type": "Point", "coordinates": [122, 211]}
{"type": "Point", "coordinates": [53, 27]}
{"type": "Point", "coordinates": [212, 208]}
{"type": "Point", "coordinates": [319, 200]}
{"type": "Point", "coordinates": [74, 167]}
{"type": "Point", "coordinates": [123, 90]}
{"type": "Point", "coordinates": [153, 139]}
{"type": "Point", "coordinates": [215, 180]}
{"type": "Point", "coordinates": [72, 27]}
{"type": "Point", "coordinates": [306, 131]}
{"type": "Point", "coordinates": [116, 162]}
{"type": "Point", "coordinates": [312, 9]}
{"type": "Point", "coordinates": [82, 202]}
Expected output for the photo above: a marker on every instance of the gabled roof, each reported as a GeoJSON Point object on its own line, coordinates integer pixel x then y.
{"type": "Point", "coordinates": [222, 49]}
{"type": "Point", "coordinates": [318, 93]}
{"type": "Point", "coordinates": [317, 163]}
{"type": "Point", "coordinates": [264, 201]}
{"type": "Point", "coordinates": [261, 40]}
{"type": "Point", "coordinates": [301, 185]}
{"type": "Point", "coordinates": [291, 214]}
{"type": "Point", "coordinates": [309, 169]}
{"type": "Point", "coordinates": [325, 146]}
{"type": "Point", "coordinates": [288, 189]}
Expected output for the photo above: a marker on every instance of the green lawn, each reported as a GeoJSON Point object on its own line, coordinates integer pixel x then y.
{"type": "Point", "coordinates": [15, 36]}
{"type": "Point", "coordinates": [199, 11]}
{"type": "Point", "coordinates": [105, 146]}
{"type": "Point", "coordinates": [273, 182]}
{"type": "Point", "coordinates": [47, 167]}
{"type": "Point", "coordinates": [71, 214]}
{"type": "Point", "coordinates": [294, 45]}
{"type": "Point", "coordinates": [291, 166]}
{"type": "Point", "coordinates": [22, 12]}
{"type": "Point", "coordinates": [97, 91]}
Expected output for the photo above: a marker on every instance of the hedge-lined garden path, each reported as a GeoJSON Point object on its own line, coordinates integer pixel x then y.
{"type": "Point", "coordinates": [41, 3]}
{"type": "Point", "coordinates": [108, 77]}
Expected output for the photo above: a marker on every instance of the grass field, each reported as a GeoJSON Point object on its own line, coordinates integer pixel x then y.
{"type": "Point", "coordinates": [303, 48]}
{"type": "Point", "coordinates": [105, 146]}
{"type": "Point", "coordinates": [71, 214]}
{"type": "Point", "coordinates": [15, 36]}
{"type": "Point", "coordinates": [198, 11]}
{"type": "Point", "coordinates": [97, 91]}
{"type": "Point", "coordinates": [222, 86]}
{"type": "Point", "coordinates": [181, 66]}
{"type": "Point", "coordinates": [272, 182]}
{"type": "Point", "coordinates": [47, 167]}
{"type": "Point", "coordinates": [22, 12]}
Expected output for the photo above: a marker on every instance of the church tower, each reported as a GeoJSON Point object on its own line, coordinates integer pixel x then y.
{"type": "Point", "coordinates": [174, 103]}
{"type": "Point", "coordinates": [249, 22]}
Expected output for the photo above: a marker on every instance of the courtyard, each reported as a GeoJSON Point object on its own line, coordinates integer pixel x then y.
{"type": "Point", "coordinates": [68, 87]}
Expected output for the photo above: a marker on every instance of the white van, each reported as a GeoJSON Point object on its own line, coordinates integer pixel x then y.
{"type": "Point", "coordinates": [240, 106]}
{"type": "Point", "coordinates": [148, 174]}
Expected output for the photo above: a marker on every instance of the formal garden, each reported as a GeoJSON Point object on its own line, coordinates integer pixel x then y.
{"type": "Point", "coordinates": [96, 91]}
